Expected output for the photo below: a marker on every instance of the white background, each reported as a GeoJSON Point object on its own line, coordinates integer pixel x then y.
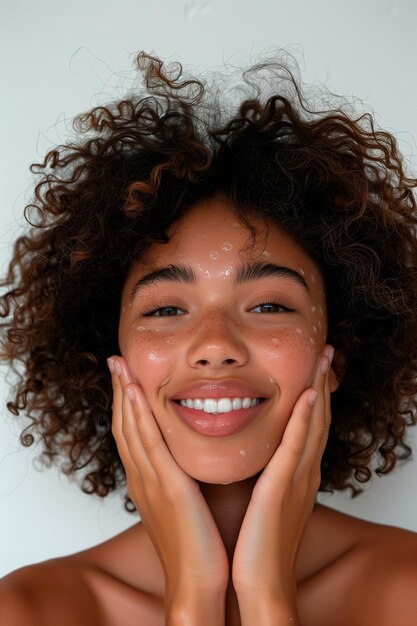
{"type": "Point", "coordinates": [59, 58]}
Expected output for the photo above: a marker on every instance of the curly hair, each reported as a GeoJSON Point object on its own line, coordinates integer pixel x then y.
{"type": "Point", "coordinates": [330, 179]}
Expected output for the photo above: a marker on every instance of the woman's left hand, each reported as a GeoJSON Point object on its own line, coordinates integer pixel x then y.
{"type": "Point", "coordinates": [265, 557]}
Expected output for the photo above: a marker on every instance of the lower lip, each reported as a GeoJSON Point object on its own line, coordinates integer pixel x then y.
{"type": "Point", "coordinates": [220, 425]}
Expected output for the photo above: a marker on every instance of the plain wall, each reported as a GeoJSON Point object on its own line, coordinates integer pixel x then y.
{"type": "Point", "coordinates": [60, 58]}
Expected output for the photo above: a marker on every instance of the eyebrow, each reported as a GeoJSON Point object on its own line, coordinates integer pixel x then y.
{"type": "Point", "coordinates": [171, 273]}
{"type": "Point", "coordinates": [246, 273]}
{"type": "Point", "coordinates": [256, 271]}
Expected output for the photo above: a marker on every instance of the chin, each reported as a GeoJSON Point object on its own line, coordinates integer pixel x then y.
{"type": "Point", "coordinates": [222, 471]}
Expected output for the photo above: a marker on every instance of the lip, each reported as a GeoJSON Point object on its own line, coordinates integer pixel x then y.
{"type": "Point", "coordinates": [220, 425]}
{"type": "Point", "coordinates": [219, 389]}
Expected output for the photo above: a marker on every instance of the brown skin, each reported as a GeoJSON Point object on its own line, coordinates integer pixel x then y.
{"type": "Point", "coordinates": [269, 558]}
{"type": "Point", "coordinates": [349, 572]}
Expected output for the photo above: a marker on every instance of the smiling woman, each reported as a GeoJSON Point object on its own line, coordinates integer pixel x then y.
{"type": "Point", "coordinates": [223, 343]}
{"type": "Point", "coordinates": [220, 311]}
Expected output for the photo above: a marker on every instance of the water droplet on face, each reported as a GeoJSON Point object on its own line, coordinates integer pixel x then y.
{"type": "Point", "coordinates": [140, 328]}
{"type": "Point", "coordinates": [152, 356]}
{"type": "Point", "coordinates": [130, 304]}
{"type": "Point", "coordinates": [313, 278]}
{"type": "Point", "coordinates": [302, 272]}
{"type": "Point", "coordinates": [315, 328]}
{"type": "Point", "coordinates": [228, 269]}
{"type": "Point", "coordinates": [321, 310]}
{"type": "Point", "coordinates": [275, 340]}
{"type": "Point", "coordinates": [311, 340]}
{"type": "Point", "coordinates": [214, 255]}
{"type": "Point", "coordinates": [171, 340]}
{"type": "Point", "coordinates": [168, 430]}
{"type": "Point", "coordinates": [313, 309]}
{"type": "Point", "coordinates": [266, 254]}
{"type": "Point", "coordinates": [243, 453]}
{"type": "Point", "coordinates": [227, 246]}
{"type": "Point", "coordinates": [267, 446]}
{"type": "Point", "coordinates": [299, 331]}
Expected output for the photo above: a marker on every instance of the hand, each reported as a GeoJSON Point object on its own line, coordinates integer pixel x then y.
{"type": "Point", "coordinates": [265, 556]}
{"type": "Point", "coordinates": [169, 501]}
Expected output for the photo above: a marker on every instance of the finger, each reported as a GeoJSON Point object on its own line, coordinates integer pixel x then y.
{"type": "Point", "coordinates": [319, 421]}
{"type": "Point", "coordinates": [117, 415]}
{"type": "Point", "coordinates": [307, 424]}
{"type": "Point", "coordinates": [150, 435]}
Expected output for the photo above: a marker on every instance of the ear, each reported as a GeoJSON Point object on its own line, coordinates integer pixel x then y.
{"type": "Point", "coordinates": [337, 370]}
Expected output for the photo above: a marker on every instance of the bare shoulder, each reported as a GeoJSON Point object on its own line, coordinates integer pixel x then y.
{"type": "Point", "coordinates": [43, 595]}
{"type": "Point", "coordinates": [370, 573]}
{"type": "Point", "coordinates": [99, 586]}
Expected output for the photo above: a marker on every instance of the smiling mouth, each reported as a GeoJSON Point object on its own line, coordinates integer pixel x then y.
{"type": "Point", "coordinates": [216, 406]}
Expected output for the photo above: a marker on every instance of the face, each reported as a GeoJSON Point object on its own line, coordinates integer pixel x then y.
{"type": "Point", "coordinates": [223, 337]}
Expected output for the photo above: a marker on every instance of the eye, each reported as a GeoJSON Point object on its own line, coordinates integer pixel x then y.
{"type": "Point", "coordinates": [165, 311]}
{"type": "Point", "coordinates": [270, 307]}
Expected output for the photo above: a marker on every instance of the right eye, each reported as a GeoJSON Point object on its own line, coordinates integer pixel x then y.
{"type": "Point", "coordinates": [165, 311]}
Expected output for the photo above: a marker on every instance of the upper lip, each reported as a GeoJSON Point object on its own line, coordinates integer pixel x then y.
{"type": "Point", "coordinates": [219, 389]}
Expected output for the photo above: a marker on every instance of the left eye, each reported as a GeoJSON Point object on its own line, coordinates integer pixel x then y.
{"type": "Point", "coordinates": [270, 307]}
{"type": "Point", "coordinates": [166, 311]}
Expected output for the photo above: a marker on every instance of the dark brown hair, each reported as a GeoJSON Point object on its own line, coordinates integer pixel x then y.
{"type": "Point", "coordinates": [333, 182]}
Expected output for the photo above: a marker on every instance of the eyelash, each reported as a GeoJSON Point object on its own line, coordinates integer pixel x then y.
{"type": "Point", "coordinates": [284, 309]}
{"type": "Point", "coordinates": [154, 311]}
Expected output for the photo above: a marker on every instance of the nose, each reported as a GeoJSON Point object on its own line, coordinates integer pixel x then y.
{"type": "Point", "coordinates": [217, 344]}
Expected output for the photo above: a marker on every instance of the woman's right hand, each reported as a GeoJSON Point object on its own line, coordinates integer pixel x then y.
{"type": "Point", "coordinates": [172, 508]}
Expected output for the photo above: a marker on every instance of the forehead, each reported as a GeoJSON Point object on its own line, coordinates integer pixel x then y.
{"type": "Point", "coordinates": [211, 231]}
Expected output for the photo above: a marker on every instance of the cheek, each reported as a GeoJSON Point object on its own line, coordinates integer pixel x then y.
{"type": "Point", "coordinates": [150, 355]}
{"type": "Point", "coordinates": [291, 356]}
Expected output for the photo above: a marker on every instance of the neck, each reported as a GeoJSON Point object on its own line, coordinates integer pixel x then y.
{"type": "Point", "coordinates": [228, 504]}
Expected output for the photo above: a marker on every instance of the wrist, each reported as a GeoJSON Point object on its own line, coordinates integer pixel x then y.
{"type": "Point", "coordinates": [195, 608]}
{"type": "Point", "coordinates": [267, 610]}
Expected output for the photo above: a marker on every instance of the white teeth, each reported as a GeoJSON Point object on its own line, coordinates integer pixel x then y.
{"type": "Point", "coordinates": [219, 405]}
{"type": "Point", "coordinates": [210, 405]}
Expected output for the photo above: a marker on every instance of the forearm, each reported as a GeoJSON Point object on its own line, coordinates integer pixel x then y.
{"type": "Point", "coordinates": [195, 609]}
{"type": "Point", "coordinates": [267, 611]}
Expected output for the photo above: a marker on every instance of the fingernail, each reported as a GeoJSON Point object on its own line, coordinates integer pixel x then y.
{"type": "Point", "coordinates": [329, 352]}
{"type": "Point", "coordinates": [131, 395]}
{"type": "Point", "coordinates": [110, 364]}
{"type": "Point", "coordinates": [312, 397]}
{"type": "Point", "coordinates": [325, 364]}
{"type": "Point", "coordinates": [117, 367]}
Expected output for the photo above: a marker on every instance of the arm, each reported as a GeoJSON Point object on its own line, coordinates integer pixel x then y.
{"type": "Point", "coordinates": [265, 558]}
{"type": "Point", "coordinates": [172, 508]}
